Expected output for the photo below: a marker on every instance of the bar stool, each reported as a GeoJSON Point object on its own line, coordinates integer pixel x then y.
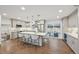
{"type": "Point", "coordinates": [49, 33]}
{"type": "Point", "coordinates": [27, 38]}
{"type": "Point", "coordinates": [46, 38]}
{"type": "Point", "coordinates": [20, 36]}
{"type": "Point", "coordinates": [35, 39]}
{"type": "Point", "coordinates": [55, 35]}
{"type": "Point", "coordinates": [52, 34]}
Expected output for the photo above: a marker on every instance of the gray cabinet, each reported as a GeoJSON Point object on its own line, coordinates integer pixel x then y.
{"type": "Point", "coordinates": [73, 19]}
{"type": "Point", "coordinates": [73, 43]}
{"type": "Point", "coordinates": [76, 46]}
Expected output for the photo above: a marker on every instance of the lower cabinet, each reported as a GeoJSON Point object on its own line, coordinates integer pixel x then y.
{"type": "Point", "coordinates": [73, 43]}
{"type": "Point", "coordinates": [76, 46]}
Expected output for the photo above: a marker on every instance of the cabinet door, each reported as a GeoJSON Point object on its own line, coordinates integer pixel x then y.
{"type": "Point", "coordinates": [76, 46]}
{"type": "Point", "coordinates": [73, 43]}
{"type": "Point", "coordinates": [69, 40]}
{"type": "Point", "coordinates": [73, 20]}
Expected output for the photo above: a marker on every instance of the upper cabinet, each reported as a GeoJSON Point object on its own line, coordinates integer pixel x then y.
{"type": "Point", "coordinates": [65, 24]}
{"type": "Point", "coordinates": [0, 27]}
{"type": "Point", "coordinates": [73, 19]}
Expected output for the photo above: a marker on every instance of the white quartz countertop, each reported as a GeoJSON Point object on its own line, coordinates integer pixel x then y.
{"type": "Point", "coordinates": [35, 33]}
{"type": "Point", "coordinates": [75, 35]}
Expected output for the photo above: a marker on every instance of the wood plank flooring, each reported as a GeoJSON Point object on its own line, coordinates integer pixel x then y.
{"type": "Point", "coordinates": [15, 46]}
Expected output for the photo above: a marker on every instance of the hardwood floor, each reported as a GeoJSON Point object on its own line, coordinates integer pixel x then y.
{"type": "Point", "coordinates": [17, 47]}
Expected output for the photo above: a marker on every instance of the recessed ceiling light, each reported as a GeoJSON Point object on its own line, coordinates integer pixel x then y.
{"type": "Point", "coordinates": [23, 8]}
{"type": "Point", "coordinates": [60, 11]}
{"type": "Point", "coordinates": [18, 18]}
{"type": "Point", "coordinates": [4, 14]}
{"type": "Point", "coordinates": [57, 17]}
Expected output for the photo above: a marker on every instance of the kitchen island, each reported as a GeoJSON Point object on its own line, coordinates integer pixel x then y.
{"type": "Point", "coordinates": [35, 38]}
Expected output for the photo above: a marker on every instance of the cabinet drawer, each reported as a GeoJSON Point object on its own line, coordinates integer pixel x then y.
{"type": "Point", "coordinates": [76, 46]}
{"type": "Point", "coordinates": [69, 41]}
{"type": "Point", "coordinates": [73, 43]}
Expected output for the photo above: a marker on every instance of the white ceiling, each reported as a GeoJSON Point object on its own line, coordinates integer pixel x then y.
{"type": "Point", "coordinates": [45, 11]}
